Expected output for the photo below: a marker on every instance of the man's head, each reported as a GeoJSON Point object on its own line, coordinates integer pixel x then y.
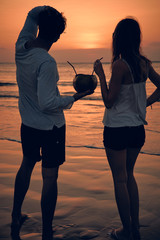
{"type": "Point", "coordinates": [51, 24]}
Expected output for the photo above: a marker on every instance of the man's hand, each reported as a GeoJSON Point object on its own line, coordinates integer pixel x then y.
{"type": "Point", "coordinates": [78, 96]}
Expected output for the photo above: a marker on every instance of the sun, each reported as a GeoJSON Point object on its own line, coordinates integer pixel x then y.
{"type": "Point", "coordinates": [87, 40]}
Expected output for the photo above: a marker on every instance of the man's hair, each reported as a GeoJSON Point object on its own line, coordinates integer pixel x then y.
{"type": "Point", "coordinates": [51, 23]}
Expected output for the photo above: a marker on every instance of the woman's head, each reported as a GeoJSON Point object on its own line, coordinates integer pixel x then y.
{"type": "Point", "coordinates": [126, 39]}
{"type": "Point", "coordinates": [126, 45]}
{"type": "Point", "coordinates": [51, 24]}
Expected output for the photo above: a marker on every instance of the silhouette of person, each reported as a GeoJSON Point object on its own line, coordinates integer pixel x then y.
{"type": "Point", "coordinates": [41, 109]}
{"type": "Point", "coordinates": [124, 119]}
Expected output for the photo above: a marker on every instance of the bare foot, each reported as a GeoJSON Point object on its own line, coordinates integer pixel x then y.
{"type": "Point", "coordinates": [16, 226]}
{"type": "Point", "coordinates": [119, 234]}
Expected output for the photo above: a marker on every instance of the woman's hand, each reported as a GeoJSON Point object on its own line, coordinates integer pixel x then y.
{"type": "Point", "coordinates": [98, 68]}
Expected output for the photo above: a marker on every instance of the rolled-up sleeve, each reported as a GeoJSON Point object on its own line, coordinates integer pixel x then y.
{"type": "Point", "coordinates": [48, 94]}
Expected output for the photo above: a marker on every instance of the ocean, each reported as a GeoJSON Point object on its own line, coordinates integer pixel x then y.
{"type": "Point", "coordinates": [84, 120]}
{"type": "Point", "coordinates": [86, 207]}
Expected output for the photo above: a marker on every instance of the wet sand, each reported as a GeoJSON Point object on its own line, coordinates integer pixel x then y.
{"type": "Point", "coordinates": [86, 207]}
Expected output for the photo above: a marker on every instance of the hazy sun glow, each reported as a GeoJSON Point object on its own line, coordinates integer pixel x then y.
{"type": "Point", "coordinates": [89, 23]}
{"type": "Point", "coordinates": [87, 40]}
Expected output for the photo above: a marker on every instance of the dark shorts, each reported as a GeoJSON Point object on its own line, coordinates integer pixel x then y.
{"type": "Point", "coordinates": [124, 137]}
{"type": "Point", "coordinates": [45, 145]}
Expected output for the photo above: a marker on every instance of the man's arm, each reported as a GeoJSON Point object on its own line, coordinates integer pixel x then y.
{"type": "Point", "coordinates": [29, 30]}
{"type": "Point", "coordinates": [48, 95]}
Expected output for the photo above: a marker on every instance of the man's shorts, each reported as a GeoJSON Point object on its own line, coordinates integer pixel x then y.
{"type": "Point", "coordinates": [121, 138]}
{"type": "Point", "coordinates": [45, 145]}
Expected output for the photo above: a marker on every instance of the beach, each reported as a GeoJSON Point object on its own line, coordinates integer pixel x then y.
{"type": "Point", "coordinates": [86, 207]}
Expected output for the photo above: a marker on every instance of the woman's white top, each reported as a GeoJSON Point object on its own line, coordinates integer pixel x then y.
{"type": "Point", "coordinates": [129, 109]}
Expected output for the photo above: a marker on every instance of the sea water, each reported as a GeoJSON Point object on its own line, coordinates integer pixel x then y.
{"type": "Point", "coordinates": [84, 119]}
{"type": "Point", "coordinates": [86, 207]}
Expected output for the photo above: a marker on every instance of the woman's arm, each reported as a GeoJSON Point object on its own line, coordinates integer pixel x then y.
{"type": "Point", "coordinates": [155, 96]}
{"type": "Point", "coordinates": [154, 76]}
{"type": "Point", "coordinates": [155, 79]}
{"type": "Point", "coordinates": [109, 94]}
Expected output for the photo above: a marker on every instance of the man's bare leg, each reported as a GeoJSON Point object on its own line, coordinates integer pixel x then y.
{"type": "Point", "coordinates": [21, 187]}
{"type": "Point", "coordinates": [48, 200]}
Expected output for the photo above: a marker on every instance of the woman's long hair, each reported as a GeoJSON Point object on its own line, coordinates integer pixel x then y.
{"type": "Point", "coordinates": [126, 45]}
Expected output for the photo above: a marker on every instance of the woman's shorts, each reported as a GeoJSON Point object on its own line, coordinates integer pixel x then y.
{"type": "Point", "coordinates": [124, 137]}
{"type": "Point", "coordinates": [45, 145]}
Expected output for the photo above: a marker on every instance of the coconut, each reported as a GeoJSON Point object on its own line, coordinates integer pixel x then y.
{"type": "Point", "coordinates": [84, 82]}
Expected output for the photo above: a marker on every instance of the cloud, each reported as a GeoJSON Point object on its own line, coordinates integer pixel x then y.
{"type": "Point", "coordinates": [6, 55]}
{"type": "Point", "coordinates": [154, 44]}
{"type": "Point", "coordinates": [152, 51]}
{"type": "Point", "coordinates": [81, 55]}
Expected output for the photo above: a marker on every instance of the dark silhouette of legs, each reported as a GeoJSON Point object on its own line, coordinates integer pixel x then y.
{"type": "Point", "coordinates": [21, 186]}
{"type": "Point", "coordinates": [117, 162]}
{"type": "Point", "coordinates": [132, 155]}
{"type": "Point", "coordinates": [22, 182]}
{"type": "Point", "coordinates": [48, 200]}
{"type": "Point", "coordinates": [126, 191]}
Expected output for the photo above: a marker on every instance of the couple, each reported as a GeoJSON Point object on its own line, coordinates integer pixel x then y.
{"type": "Point", "coordinates": [43, 123]}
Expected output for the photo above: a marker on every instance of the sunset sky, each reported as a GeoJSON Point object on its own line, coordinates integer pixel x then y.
{"type": "Point", "coordinates": [90, 24]}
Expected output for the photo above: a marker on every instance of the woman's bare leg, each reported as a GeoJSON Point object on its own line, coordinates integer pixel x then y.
{"type": "Point", "coordinates": [132, 155]}
{"type": "Point", "coordinates": [117, 162]}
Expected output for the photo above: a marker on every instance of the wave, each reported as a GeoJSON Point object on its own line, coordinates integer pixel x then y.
{"type": "Point", "coordinates": [149, 153]}
{"type": "Point", "coordinates": [94, 147]}
{"type": "Point", "coordinates": [8, 96]}
{"type": "Point", "coordinates": [150, 130]}
{"type": "Point", "coordinates": [10, 140]}
{"type": "Point", "coordinates": [81, 146]}
{"type": "Point", "coordinates": [93, 98]}
{"type": "Point", "coordinates": [11, 106]}
{"type": "Point", "coordinates": [7, 84]}
{"type": "Point", "coordinates": [85, 146]}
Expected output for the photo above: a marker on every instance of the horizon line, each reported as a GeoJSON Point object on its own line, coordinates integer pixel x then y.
{"type": "Point", "coordinates": [80, 62]}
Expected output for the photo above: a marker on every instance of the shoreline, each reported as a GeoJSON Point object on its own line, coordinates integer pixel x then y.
{"type": "Point", "coordinates": [86, 207]}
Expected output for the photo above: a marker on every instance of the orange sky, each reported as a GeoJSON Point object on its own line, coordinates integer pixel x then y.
{"type": "Point", "coordinates": [90, 24]}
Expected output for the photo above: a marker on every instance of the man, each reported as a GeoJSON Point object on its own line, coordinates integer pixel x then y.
{"type": "Point", "coordinates": [41, 109]}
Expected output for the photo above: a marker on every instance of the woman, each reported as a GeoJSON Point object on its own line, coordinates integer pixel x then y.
{"type": "Point", "coordinates": [124, 119]}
